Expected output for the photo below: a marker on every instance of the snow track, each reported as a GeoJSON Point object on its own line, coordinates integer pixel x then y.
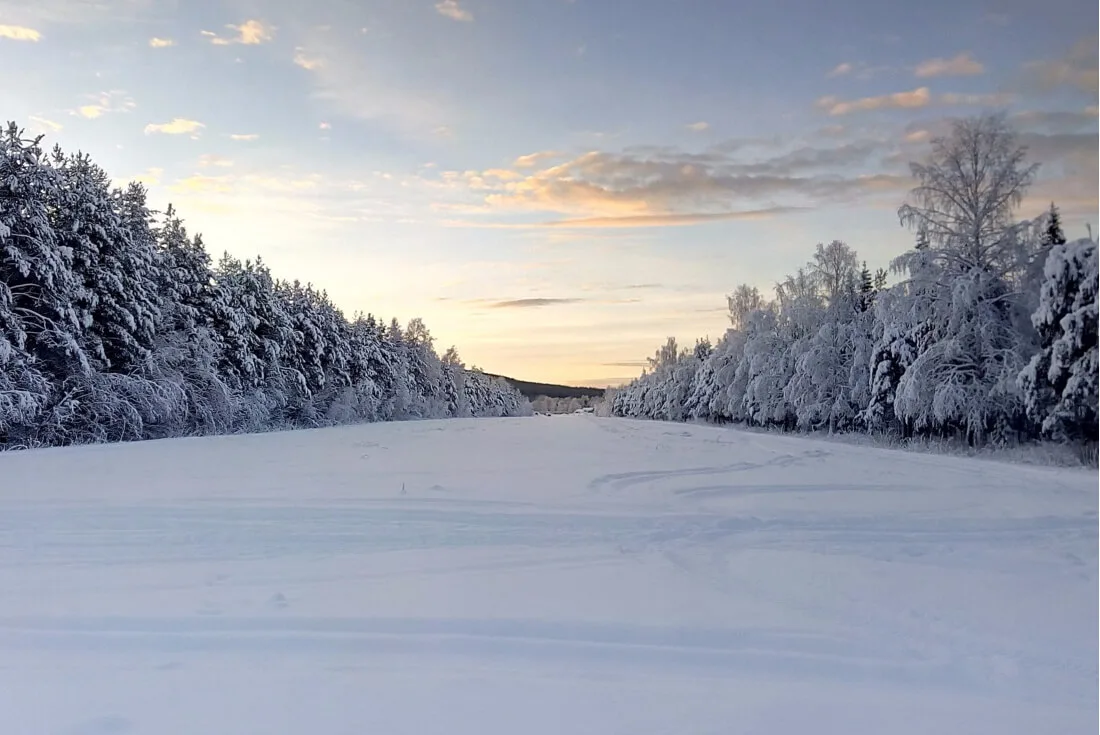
{"type": "Point", "coordinates": [543, 575]}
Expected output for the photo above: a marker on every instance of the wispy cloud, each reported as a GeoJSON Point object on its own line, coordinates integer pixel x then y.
{"type": "Point", "coordinates": [988, 99]}
{"type": "Point", "coordinates": [919, 97]}
{"type": "Point", "coordinates": [671, 220]}
{"type": "Point", "coordinates": [960, 65]}
{"type": "Point", "coordinates": [914, 99]}
{"type": "Point", "coordinates": [306, 60]}
{"type": "Point", "coordinates": [244, 136]}
{"type": "Point", "coordinates": [1077, 70]}
{"type": "Point", "coordinates": [699, 127]}
{"type": "Point", "coordinates": [249, 33]}
{"type": "Point", "coordinates": [103, 103]}
{"type": "Point", "coordinates": [212, 159]}
{"type": "Point", "coordinates": [178, 126]}
{"type": "Point", "coordinates": [841, 69]}
{"type": "Point", "coordinates": [156, 42]}
{"type": "Point", "coordinates": [351, 83]}
{"type": "Point", "coordinates": [531, 303]}
{"type": "Point", "coordinates": [19, 33]}
{"type": "Point", "coordinates": [663, 187]}
{"type": "Point", "coordinates": [50, 125]}
{"type": "Point", "coordinates": [453, 10]}
{"type": "Point", "coordinates": [533, 159]}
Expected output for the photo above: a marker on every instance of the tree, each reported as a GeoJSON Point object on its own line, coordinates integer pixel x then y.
{"type": "Point", "coordinates": [1052, 233]}
{"type": "Point", "coordinates": [962, 283]}
{"type": "Point", "coordinates": [966, 195]}
{"type": "Point", "coordinates": [866, 288]}
{"type": "Point", "coordinates": [1060, 382]}
{"type": "Point", "coordinates": [743, 301]}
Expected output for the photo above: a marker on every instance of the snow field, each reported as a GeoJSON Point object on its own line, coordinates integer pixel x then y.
{"type": "Point", "coordinates": [568, 574]}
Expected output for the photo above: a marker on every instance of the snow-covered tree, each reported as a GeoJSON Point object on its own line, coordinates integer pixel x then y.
{"type": "Point", "coordinates": [114, 326]}
{"type": "Point", "coordinates": [1060, 382]}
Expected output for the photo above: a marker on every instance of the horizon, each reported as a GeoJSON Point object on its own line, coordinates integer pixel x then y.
{"type": "Point", "coordinates": [561, 235]}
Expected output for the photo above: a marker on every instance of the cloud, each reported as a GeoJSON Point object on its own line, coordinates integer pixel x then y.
{"type": "Point", "coordinates": [324, 126]}
{"type": "Point", "coordinates": [150, 177]}
{"type": "Point", "coordinates": [699, 127]}
{"type": "Point", "coordinates": [103, 103]}
{"type": "Point", "coordinates": [841, 69]}
{"type": "Point", "coordinates": [453, 10]}
{"type": "Point", "coordinates": [351, 82]}
{"type": "Point", "coordinates": [310, 63]}
{"type": "Point", "coordinates": [961, 65]}
{"type": "Point", "coordinates": [178, 126]}
{"type": "Point", "coordinates": [659, 186]}
{"type": "Point", "coordinates": [249, 33]}
{"type": "Point", "coordinates": [155, 42]}
{"type": "Point", "coordinates": [50, 125]}
{"type": "Point", "coordinates": [212, 159]}
{"type": "Point", "coordinates": [670, 220]}
{"type": "Point", "coordinates": [203, 184]}
{"type": "Point", "coordinates": [989, 99]}
{"type": "Point", "coordinates": [244, 136]}
{"type": "Point", "coordinates": [915, 99]}
{"type": "Point", "coordinates": [1077, 70]}
{"type": "Point", "coordinates": [532, 159]}
{"type": "Point", "coordinates": [919, 97]}
{"type": "Point", "coordinates": [531, 303]}
{"type": "Point", "coordinates": [917, 136]}
{"type": "Point", "coordinates": [20, 33]}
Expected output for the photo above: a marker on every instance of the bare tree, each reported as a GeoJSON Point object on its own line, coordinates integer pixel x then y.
{"type": "Point", "coordinates": [966, 195]}
{"type": "Point", "coordinates": [836, 268]}
{"type": "Point", "coordinates": [743, 301]}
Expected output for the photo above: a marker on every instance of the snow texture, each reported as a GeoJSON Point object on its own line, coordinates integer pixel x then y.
{"type": "Point", "coordinates": [566, 574]}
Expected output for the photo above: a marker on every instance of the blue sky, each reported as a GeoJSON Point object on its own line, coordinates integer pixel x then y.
{"type": "Point", "coordinates": [553, 185]}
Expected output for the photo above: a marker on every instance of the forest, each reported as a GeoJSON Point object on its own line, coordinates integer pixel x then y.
{"type": "Point", "coordinates": [987, 336]}
{"type": "Point", "coordinates": [115, 325]}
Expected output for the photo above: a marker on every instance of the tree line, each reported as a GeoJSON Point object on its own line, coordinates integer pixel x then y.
{"type": "Point", "coordinates": [116, 325]}
{"type": "Point", "coordinates": [989, 334]}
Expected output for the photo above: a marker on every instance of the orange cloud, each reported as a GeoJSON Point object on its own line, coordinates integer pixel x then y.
{"type": "Point", "coordinates": [249, 33]}
{"type": "Point", "coordinates": [532, 159]}
{"type": "Point", "coordinates": [114, 101]}
{"type": "Point", "coordinates": [899, 100]}
{"type": "Point", "coordinates": [961, 65]}
{"type": "Point", "coordinates": [670, 220]}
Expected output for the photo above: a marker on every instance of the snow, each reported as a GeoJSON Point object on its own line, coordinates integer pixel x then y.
{"type": "Point", "coordinates": [571, 574]}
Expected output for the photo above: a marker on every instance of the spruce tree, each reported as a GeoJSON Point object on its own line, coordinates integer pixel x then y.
{"type": "Point", "coordinates": [1053, 234]}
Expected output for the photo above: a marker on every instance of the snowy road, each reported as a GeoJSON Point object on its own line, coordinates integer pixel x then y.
{"type": "Point", "coordinates": [543, 575]}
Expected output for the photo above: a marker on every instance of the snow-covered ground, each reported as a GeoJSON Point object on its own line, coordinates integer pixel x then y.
{"type": "Point", "coordinates": [545, 575]}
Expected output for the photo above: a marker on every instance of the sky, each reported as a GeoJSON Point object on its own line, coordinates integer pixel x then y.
{"type": "Point", "coordinates": [554, 186]}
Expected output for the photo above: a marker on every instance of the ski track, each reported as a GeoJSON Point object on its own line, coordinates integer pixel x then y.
{"type": "Point", "coordinates": [590, 575]}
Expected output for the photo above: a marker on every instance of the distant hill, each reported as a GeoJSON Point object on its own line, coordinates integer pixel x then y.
{"type": "Point", "coordinates": [534, 390]}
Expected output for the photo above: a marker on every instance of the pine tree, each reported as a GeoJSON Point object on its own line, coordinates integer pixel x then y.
{"type": "Point", "coordinates": [1060, 381]}
{"type": "Point", "coordinates": [1052, 233]}
{"type": "Point", "coordinates": [866, 288]}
